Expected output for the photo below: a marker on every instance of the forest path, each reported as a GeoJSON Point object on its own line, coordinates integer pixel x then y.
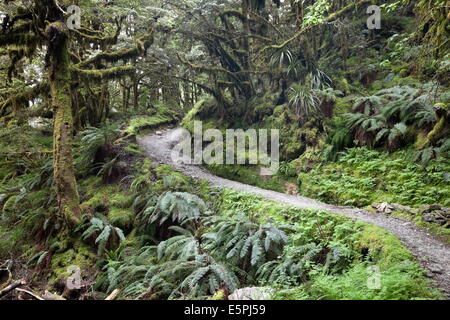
{"type": "Point", "coordinates": [433, 254]}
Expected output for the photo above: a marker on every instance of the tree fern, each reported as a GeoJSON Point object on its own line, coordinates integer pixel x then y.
{"type": "Point", "coordinates": [177, 207]}
{"type": "Point", "coordinates": [92, 140]}
{"type": "Point", "coordinates": [368, 105]}
{"type": "Point", "coordinates": [204, 278]}
{"type": "Point", "coordinates": [241, 239]}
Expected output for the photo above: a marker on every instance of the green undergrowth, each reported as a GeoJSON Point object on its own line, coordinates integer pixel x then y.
{"type": "Point", "coordinates": [151, 119]}
{"type": "Point", "coordinates": [248, 175]}
{"type": "Point", "coordinates": [141, 125]}
{"type": "Point", "coordinates": [156, 234]}
{"type": "Point", "coordinates": [366, 247]}
{"type": "Point", "coordinates": [362, 177]}
{"type": "Point", "coordinates": [236, 238]}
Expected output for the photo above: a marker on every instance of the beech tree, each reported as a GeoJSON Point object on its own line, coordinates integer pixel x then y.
{"type": "Point", "coordinates": [38, 30]}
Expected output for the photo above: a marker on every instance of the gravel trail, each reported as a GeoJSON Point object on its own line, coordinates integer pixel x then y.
{"type": "Point", "coordinates": [432, 254]}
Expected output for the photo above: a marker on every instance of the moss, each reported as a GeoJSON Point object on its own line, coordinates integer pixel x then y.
{"type": "Point", "coordinates": [205, 110]}
{"type": "Point", "coordinates": [100, 198]}
{"type": "Point", "coordinates": [79, 255]}
{"type": "Point", "coordinates": [401, 276]}
{"type": "Point", "coordinates": [134, 149]}
{"type": "Point", "coordinates": [342, 105]}
{"type": "Point", "coordinates": [219, 295]}
{"type": "Point", "coordinates": [292, 144]}
{"type": "Point", "coordinates": [140, 124]}
{"type": "Point", "coordinates": [142, 44]}
{"type": "Point", "coordinates": [63, 170]}
{"type": "Point", "coordinates": [421, 141]}
{"type": "Point", "coordinates": [111, 73]}
{"type": "Point", "coordinates": [121, 200]}
{"type": "Point", "coordinates": [248, 175]}
{"type": "Point", "coordinates": [383, 248]}
{"type": "Point", "coordinates": [122, 218]}
{"type": "Point", "coordinates": [12, 238]}
{"type": "Point", "coordinates": [194, 112]}
{"type": "Point", "coordinates": [169, 179]}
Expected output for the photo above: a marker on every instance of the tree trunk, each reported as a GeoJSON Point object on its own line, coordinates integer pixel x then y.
{"type": "Point", "coordinates": [59, 78]}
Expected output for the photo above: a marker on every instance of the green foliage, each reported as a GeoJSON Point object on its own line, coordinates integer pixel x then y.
{"type": "Point", "coordinates": [136, 273]}
{"type": "Point", "coordinates": [362, 176]}
{"type": "Point", "coordinates": [297, 263]}
{"type": "Point", "coordinates": [140, 124]}
{"type": "Point", "coordinates": [402, 281]}
{"type": "Point", "coordinates": [394, 116]}
{"type": "Point", "coordinates": [325, 249]}
{"type": "Point", "coordinates": [304, 101]}
{"type": "Point", "coordinates": [97, 150]}
{"type": "Point", "coordinates": [238, 70]}
{"type": "Point", "coordinates": [104, 233]}
{"type": "Point", "coordinates": [315, 14]}
{"type": "Point", "coordinates": [245, 241]}
{"type": "Point", "coordinates": [176, 207]}
{"type": "Point", "coordinates": [247, 174]}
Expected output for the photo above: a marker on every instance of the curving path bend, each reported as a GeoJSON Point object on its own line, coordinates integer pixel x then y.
{"type": "Point", "coordinates": [432, 254]}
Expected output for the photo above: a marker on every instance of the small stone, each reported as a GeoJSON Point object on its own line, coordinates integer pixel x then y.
{"type": "Point", "coordinates": [435, 269]}
{"type": "Point", "coordinates": [427, 209]}
{"type": "Point", "coordinates": [435, 217]}
{"type": "Point", "coordinates": [385, 208]}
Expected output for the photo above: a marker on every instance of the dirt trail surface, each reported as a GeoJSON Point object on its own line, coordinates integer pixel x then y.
{"type": "Point", "coordinates": [433, 254]}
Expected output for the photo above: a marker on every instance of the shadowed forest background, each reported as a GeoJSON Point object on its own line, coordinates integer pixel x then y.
{"type": "Point", "coordinates": [364, 122]}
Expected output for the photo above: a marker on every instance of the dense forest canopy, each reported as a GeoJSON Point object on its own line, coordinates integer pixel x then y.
{"type": "Point", "coordinates": [364, 121]}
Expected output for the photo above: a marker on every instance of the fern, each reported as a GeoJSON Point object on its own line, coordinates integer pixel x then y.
{"type": "Point", "coordinates": [205, 277]}
{"type": "Point", "coordinates": [93, 140]}
{"type": "Point", "coordinates": [243, 240]}
{"type": "Point", "coordinates": [176, 207]}
{"type": "Point", "coordinates": [293, 266]}
{"type": "Point", "coordinates": [105, 234]}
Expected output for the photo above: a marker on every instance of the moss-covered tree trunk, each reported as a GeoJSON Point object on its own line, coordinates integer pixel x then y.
{"type": "Point", "coordinates": [59, 79]}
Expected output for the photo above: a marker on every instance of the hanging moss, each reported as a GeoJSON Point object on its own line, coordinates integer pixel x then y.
{"type": "Point", "coordinates": [22, 39]}
{"type": "Point", "coordinates": [139, 49]}
{"type": "Point", "coordinates": [22, 98]}
{"type": "Point", "coordinates": [111, 73]}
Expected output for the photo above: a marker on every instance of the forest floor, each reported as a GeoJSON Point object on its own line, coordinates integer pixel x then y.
{"type": "Point", "coordinates": [432, 253]}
